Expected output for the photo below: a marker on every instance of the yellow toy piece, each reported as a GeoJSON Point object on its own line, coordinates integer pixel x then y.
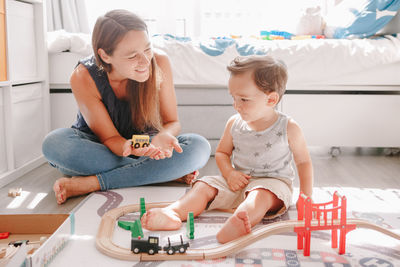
{"type": "Point", "coordinates": [139, 141]}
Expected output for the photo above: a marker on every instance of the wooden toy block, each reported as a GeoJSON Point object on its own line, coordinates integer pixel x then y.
{"type": "Point", "coordinates": [142, 207]}
{"type": "Point", "coordinates": [125, 225]}
{"type": "Point", "coordinates": [190, 226]}
{"type": "Point", "coordinates": [135, 228]}
{"type": "Point", "coordinates": [14, 192]}
{"type": "Point", "coordinates": [139, 141]}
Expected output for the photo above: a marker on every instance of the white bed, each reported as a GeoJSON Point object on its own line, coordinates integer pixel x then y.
{"type": "Point", "coordinates": [342, 92]}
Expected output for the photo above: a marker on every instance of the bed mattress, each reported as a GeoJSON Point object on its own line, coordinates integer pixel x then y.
{"type": "Point", "coordinates": [310, 62]}
{"type": "Point", "coordinates": [313, 61]}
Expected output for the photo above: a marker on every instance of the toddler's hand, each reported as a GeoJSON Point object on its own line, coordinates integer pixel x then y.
{"type": "Point", "coordinates": [314, 214]}
{"type": "Point", "coordinates": [237, 180]}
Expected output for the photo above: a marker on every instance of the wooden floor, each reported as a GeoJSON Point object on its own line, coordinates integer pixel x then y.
{"type": "Point", "coordinates": [364, 168]}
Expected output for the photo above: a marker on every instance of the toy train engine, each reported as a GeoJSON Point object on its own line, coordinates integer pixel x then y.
{"type": "Point", "coordinates": [139, 141]}
{"type": "Point", "coordinates": [171, 249]}
{"type": "Point", "coordinates": [141, 245]}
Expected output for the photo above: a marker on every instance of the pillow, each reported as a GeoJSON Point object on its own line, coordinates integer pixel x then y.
{"type": "Point", "coordinates": [359, 18]}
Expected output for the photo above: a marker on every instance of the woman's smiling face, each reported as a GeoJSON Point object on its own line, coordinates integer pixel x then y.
{"type": "Point", "coordinates": [132, 56]}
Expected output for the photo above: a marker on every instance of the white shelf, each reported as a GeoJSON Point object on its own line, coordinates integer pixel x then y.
{"type": "Point", "coordinates": [25, 100]}
{"type": "Point", "coordinates": [5, 83]}
{"type": "Point", "coordinates": [27, 81]}
{"type": "Point", "coordinates": [31, 1]}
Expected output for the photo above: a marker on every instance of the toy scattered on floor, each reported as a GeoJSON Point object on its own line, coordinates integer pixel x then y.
{"type": "Point", "coordinates": [139, 141]}
{"type": "Point", "coordinates": [141, 245]}
{"type": "Point", "coordinates": [329, 216]}
{"type": "Point", "coordinates": [18, 243]}
{"type": "Point", "coordinates": [151, 246]}
{"type": "Point", "coordinates": [142, 207]}
{"type": "Point", "coordinates": [135, 228]}
{"type": "Point", "coordinates": [13, 247]}
{"type": "Point", "coordinates": [190, 225]}
{"type": "Point", "coordinates": [171, 249]}
{"type": "Point", "coordinates": [104, 239]}
{"type": "Point", "coordinates": [14, 192]}
{"type": "Point", "coordinates": [4, 235]}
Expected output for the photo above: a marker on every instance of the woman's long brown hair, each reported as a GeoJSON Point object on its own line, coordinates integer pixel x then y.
{"type": "Point", "coordinates": [143, 96]}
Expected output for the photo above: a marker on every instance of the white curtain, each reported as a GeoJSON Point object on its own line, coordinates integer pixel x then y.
{"type": "Point", "coordinates": [69, 15]}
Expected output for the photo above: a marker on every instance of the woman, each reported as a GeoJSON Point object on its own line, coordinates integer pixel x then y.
{"type": "Point", "coordinates": [124, 89]}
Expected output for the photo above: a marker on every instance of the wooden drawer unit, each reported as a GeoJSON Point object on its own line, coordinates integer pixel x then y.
{"type": "Point", "coordinates": [346, 120]}
{"type": "Point", "coordinates": [28, 122]}
{"type": "Point", "coordinates": [22, 41]}
{"type": "Point", "coordinates": [24, 87]}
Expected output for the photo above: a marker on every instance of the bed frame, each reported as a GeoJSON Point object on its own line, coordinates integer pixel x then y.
{"type": "Point", "coordinates": [341, 113]}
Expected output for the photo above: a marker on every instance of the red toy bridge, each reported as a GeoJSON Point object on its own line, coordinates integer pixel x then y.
{"type": "Point", "coordinates": [326, 218]}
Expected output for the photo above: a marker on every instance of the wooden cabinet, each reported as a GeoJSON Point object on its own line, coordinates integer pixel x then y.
{"type": "Point", "coordinates": [24, 87]}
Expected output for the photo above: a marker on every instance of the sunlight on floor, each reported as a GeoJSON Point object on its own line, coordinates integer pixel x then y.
{"type": "Point", "coordinates": [36, 200]}
{"type": "Point", "coordinates": [19, 200]}
{"type": "Point", "coordinates": [362, 236]}
{"type": "Point", "coordinates": [81, 237]}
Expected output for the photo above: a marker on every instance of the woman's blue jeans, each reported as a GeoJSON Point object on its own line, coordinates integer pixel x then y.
{"type": "Point", "coordinates": [77, 153]}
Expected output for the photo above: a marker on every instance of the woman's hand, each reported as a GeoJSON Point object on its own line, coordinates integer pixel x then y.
{"type": "Point", "coordinates": [151, 151]}
{"type": "Point", "coordinates": [166, 142]}
{"type": "Point", "coordinates": [237, 180]}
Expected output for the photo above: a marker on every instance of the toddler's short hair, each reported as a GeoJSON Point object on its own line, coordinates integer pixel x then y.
{"type": "Point", "coordinates": [269, 74]}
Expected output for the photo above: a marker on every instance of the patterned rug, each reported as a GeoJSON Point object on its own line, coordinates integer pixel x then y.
{"type": "Point", "coordinates": [363, 247]}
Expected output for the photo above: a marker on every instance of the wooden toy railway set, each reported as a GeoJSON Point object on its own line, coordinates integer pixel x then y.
{"type": "Point", "coordinates": [311, 217]}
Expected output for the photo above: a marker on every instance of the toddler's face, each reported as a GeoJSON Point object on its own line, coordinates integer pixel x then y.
{"type": "Point", "coordinates": [249, 101]}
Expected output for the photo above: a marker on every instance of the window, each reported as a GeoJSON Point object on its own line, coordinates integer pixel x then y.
{"type": "Point", "coordinates": [153, 240]}
{"type": "Point", "coordinates": [207, 18]}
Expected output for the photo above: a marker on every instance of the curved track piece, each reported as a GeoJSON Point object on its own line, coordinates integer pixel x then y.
{"type": "Point", "coordinates": [106, 229]}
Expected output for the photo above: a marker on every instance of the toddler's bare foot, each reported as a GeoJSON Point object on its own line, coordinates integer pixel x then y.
{"type": "Point", "coordinates": [188, 178]}
{"type": "Point", "coordinates": [236, 226]}
{"type": "Point", "coordinates": [65, 188]}
{"type": "Point", "coordinates": [161, 219]}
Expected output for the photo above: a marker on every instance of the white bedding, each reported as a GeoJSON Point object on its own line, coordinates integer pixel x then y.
{"type": "Point", "coordinates": [323, 61]}
{"type": "Point", "coordinates": [320, 73]}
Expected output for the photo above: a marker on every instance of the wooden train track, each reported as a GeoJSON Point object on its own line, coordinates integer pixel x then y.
{"type": "Point", "coordinates": [105, 245]}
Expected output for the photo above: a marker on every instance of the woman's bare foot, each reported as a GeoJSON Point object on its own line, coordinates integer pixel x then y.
{"type": "Point", "coordinates": [188, 178]}
{"type": "Point", "coordinates": [65, 188]}
{"type": "Point", "coordinates": [236, 226]}
{"type": "Point", "coordinates": [161, 219]}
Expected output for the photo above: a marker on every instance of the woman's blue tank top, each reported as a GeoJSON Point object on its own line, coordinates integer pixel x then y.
{"type": "Point", "coordinates": [119, 110]}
